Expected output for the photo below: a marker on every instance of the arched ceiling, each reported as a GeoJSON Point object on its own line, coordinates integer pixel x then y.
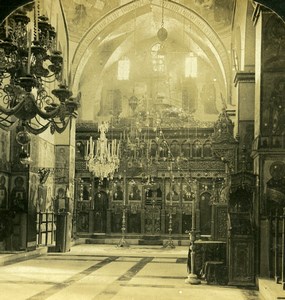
{"type": "Point", "coordinates": [8, 7]}
{"type": "Point", "coordinates": [101, 32]}
{"type": "Point", "coordinates": [132, 29]}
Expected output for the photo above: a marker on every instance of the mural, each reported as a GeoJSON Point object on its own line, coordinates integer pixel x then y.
{"type": "Point", "coordinates": [275, 186]}
{"type": "Point", "coordinates": [62, 164]}
{"type": "Point", "coordinates": [18, 196]}
{"type": "Point", "coordinates": [273, 105]}
{"type": "Point", "coordinates": [4, 146]}
{"type": "Point", "coordinates": [3, 191]}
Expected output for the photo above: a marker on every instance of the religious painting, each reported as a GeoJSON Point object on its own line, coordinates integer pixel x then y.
{"type": "Point", "coordinates": [33, 190]}
{"type": "Point", "coordinates": [134, 218]}
{"type": "Point", "coordinates": [4, 153]}
{"type": "Point", "coordinates": [18, 195]}
{"type": "Point", "coordinates": [62, 164]}
{"type": "Point", "coordinates": [117, 192]}
{"type": "Point", "coordinates": [60, 198]}
{"type": "Point", "coordinates": [186, 192]}
{"type": "Point", "coordinates": [134, 191]}
{"type": "Point", "coordinates": [3, 191]}
{"type": "Point", "coordinates": [275, 186]}
{"type": "Point", "coordinates": [42, 197]}
{"type": "Point", "coordinates": [172, 191]}
{"type": "Point", "coordinates": [273, 105]}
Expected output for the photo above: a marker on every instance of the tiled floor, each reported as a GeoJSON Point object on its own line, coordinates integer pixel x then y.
{"type": "Point", "coordinates": [104, 272]}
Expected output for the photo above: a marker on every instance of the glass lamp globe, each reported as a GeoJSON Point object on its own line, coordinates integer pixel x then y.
{"type": "Point", "coordinates": [23, 137]}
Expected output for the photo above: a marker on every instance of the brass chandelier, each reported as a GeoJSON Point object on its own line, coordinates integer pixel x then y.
{"type": "Point", "coordinates": [28, 65]}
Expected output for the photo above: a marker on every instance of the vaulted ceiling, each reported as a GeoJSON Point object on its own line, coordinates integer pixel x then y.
{"type": "Point", "coordinates": [102, 32]}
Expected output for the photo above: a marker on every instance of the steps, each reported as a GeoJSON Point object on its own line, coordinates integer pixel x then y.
{"type": "Point", "coordinates": [270, 290]}
{"type": "Point", "coordinates": [151, 240]}
{"type": "Point", "coordinates": [132, 239]}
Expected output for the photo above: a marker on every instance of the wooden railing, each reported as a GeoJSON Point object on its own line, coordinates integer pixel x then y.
{"type": "Point", "coordinates": [46, 228]}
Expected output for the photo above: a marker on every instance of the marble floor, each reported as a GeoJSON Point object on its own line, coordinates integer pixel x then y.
{"type": "Point", "coordinates": [104, 272]}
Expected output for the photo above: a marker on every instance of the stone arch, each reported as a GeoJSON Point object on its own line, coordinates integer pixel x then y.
{"type": "Point", "coordinates": [203, 32]}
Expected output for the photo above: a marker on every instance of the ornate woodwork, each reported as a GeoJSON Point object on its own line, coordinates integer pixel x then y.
{"type": "Point", "coordinates": [241, 238]}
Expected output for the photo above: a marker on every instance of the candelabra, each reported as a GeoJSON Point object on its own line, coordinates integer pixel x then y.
{"type": "Point", "coordinates": [123, 242]}
{"type": "Point", "coordinates": [192, 277]}
{"type": "Point", "coordinates": [169, 243]}
{"type": "Point", "coordinates": [105, 161]}
{"type": "Point", "coordinates": [27, 68]}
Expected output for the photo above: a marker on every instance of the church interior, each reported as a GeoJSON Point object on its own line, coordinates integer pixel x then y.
{"type": "Point", "coordinates": [146, 123]}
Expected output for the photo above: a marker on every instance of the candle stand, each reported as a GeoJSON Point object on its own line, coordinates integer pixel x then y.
{"type": "Point", "coordinates": [169, 243]}
{"type": "Point", "coordinates": [123, 242]}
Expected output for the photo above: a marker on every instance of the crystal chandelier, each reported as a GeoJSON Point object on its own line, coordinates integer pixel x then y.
{"type": "Point", "coordinates": [29, 63]}
{"type": "Point", "coordinates": [102, 158]}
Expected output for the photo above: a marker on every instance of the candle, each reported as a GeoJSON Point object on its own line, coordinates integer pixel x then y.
{"type": "Point", "coordinates": [29, 52]}
{"type": "Point", "coordinates": [56, 36]}
{"type": "Point", "coordinates": [87, 146]}
{"type": "Point", "coordinates": [6, 28]}
{"type": "Point", "coordinates": [36, 20]}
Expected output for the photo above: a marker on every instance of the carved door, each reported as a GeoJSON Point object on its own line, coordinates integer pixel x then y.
{"type": "Point", "coordinates": [100, 211]}
{"type": "Point", "coordinates": [153, 212]}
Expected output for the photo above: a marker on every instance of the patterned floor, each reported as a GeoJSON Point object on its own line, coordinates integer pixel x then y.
{"type": "Point", "coordinates": [104, 272]}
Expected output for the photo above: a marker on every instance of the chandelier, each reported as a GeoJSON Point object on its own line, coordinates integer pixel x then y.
{"type": "Point", "coordinates": [28, 65]}
{"type": "Point", "coordinates": [102, 158]}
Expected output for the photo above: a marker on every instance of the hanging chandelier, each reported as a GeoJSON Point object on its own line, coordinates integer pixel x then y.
{"type": "Point", "coordinates": [28, 65]}
{"type": "Point", "coordinates": [102, 158]}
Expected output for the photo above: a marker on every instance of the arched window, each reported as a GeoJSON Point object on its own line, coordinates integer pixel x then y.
{"type": "Point", "coordinates": [153, 149]}
{"type": "Point", "coordinates": [175, 148]}
{"type": "Point", "coordinates": [197, 149]}
{"type": "Point", "coordinates": [163, 149]}
{"type": "Point", "coordinates": [186, 149]}
{"type": "Point", "coordinates": [207, 149]}
{"type": "Point", "coordinates": [191, 65]}
{"type": "Point", "coordinates": [158, 58]}
{"type": "Point", "coordinates": [124, 69]}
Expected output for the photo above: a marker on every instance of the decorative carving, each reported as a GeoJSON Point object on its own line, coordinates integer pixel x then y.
{"type": "Point", "coordinates": [221, 222]}
{"type": "Point", "coordinates": [152, 220]}
{"type": "Point", "coordinates": [82, 223]}
{"type": "Point", "coordinates": [225, 192]}
{"type": "Point", "coordinates": [223, 129]}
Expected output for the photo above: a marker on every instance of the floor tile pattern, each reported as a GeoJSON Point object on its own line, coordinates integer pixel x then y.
{"type": "Point", "coordinates": [103, 273]}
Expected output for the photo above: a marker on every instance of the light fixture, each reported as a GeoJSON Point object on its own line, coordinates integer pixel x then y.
{"type": "Point", "coordinates": [162, 32]}
{"type": "Point", "coordinates": [102, 158]}
{"type": "Point", "coordinates": [27, 68]}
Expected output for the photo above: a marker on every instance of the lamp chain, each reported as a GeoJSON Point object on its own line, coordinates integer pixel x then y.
{"type": "Point", "coordinates": [162, 14]}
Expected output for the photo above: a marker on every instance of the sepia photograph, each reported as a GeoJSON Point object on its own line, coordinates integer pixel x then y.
{"type": "Point", "coordinates": [142, 149]}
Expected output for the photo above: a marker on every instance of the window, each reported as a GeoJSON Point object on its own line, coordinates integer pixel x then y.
{"type": "Point", "coordinates": [158, 58]}
{"type": "Point", "coordinates": [123, 69]}
{"type": "Point", "coordinates": [191, 66]}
